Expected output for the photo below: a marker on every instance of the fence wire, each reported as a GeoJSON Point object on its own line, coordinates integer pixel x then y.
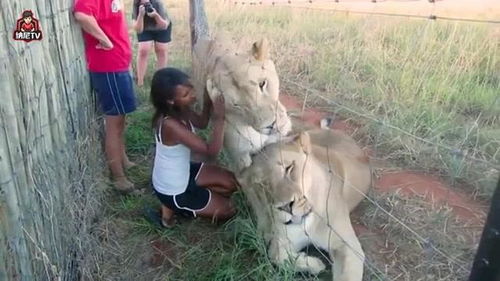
{"type": "Point", "coordinates": [431, 16]}
{"type": "Point", "coordinates": [453, 150]}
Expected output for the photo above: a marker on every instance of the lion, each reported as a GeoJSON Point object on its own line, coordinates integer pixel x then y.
{"type": "Point", "coordinates": [250, 85]}
{"type": "Point", "coordinates": [302, 193]}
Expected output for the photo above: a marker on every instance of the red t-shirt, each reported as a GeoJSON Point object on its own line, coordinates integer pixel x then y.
{"type": "Point", "coordinates": [110, 17]}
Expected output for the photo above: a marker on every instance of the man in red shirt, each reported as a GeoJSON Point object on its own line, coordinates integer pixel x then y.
{"type": "Point", "coordinates": [108, 53]}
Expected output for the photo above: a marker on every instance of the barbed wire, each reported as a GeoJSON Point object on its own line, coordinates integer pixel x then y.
{"type": "Point", "coordinates": [432, 16]}
{"type": "Point", "coordinates": [453, 150]}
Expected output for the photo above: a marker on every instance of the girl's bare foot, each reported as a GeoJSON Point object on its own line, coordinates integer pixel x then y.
{"type": "Point", "coordinates": [167, 217]}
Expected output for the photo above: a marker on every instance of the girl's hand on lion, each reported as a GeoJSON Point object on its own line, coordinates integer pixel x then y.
{"type": "Point", "coordinates": [206, 99]}
{"type": "Point", "coordinates": [219, 108]}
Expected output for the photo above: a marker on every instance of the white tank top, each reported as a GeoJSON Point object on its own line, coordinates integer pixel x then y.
{"type": "Point", "coordinates": [171, 167]}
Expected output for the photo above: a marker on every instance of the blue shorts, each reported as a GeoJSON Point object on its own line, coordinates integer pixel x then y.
{"type": "Point", "coordinates": [115, 91]}
{"type": "Point", "coordinates": [194, 199]}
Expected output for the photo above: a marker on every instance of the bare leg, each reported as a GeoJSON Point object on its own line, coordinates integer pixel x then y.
{"type": "Point", "coordinates": [219, 208]}
{"type": "Point", "coordinates": [217, 179]}
{"type": "Point", "coordinates": [167, 216]}
{"type": "Point", "coordinates": [114, 145]}
{"type": "Point", "coordinates": [127, 164]}
{"type": "Point", "coordinates": [161, 50]}
{"type": "Point", "coordinates": [142, 60]}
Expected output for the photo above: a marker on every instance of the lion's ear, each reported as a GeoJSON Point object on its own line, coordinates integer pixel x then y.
{"type": "Point", "coordinates": [260, 50]}
{"type": "Point", "coordinates": [305, 142]}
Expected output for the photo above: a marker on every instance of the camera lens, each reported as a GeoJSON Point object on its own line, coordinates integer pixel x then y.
{"type": "Point", "coordinates": [148, 7]}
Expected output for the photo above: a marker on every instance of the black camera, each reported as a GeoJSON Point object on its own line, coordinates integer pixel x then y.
{"type": "Point", "coordinates": [149, 7]}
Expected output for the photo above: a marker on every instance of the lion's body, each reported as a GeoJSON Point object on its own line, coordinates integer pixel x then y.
{"type": "Point", "coordinates": [250, 85]}
{"type": "Point", "coordinates": [297, 201]}
{"type": "Point", "coordinates": [255, 123]}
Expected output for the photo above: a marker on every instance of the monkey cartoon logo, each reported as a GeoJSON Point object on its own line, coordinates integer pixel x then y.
{"type": "Point", "coordinates": [27, 28]}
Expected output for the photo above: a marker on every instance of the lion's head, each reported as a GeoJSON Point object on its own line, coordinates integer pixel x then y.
{"type": "Point", "coordinates": [250, 85]}
{"type": "Point", "coordinates": [284, 171]}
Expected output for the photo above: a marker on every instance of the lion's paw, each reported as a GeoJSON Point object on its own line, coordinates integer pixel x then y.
{"type": "Point", "coordinates": [310, 264]}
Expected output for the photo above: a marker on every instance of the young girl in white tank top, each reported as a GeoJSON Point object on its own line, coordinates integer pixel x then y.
{"type": "Point", "coordinates": [183, 186]}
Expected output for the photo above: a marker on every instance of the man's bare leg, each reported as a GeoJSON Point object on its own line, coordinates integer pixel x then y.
{"type": "Point", "coordinates": [114, 145]}
{"type": "Point", "coordinates": [127, 164]}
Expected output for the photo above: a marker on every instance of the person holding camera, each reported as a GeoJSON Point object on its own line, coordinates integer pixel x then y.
{"type": "Point", "coordinates": [153, 27]}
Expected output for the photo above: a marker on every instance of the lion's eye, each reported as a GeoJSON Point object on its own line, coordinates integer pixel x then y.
{"type": "Point", "coordinates": [289, 168]}
{"type": "Point", "coordinates": [287, 207]}
{"type": "Point", "coordinates": [262, 84]}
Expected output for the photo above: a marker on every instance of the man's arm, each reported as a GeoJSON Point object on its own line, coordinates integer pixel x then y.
{"type": "Point", "coordinates": [89, 24]}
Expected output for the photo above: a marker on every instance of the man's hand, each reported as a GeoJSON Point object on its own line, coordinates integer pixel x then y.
{"type": "Point", "coordinates": [89, 24]}
{"type": "Point", "coordinates": [105, 45]}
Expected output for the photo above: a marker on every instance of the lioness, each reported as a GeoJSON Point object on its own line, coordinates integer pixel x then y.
{"type": "Point", "coordinates": [302, 193]}
{"type": "Point", "coordinates": [250, 85]}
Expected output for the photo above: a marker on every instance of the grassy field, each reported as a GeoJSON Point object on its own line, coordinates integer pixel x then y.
{"type": "Point", "coordinates": [401, 81]}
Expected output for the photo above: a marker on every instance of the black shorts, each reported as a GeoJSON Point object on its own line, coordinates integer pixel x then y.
{"type": "Point", "coordinates": [194, 199]}
{"type": "Point", "coordinates": [162, 36]}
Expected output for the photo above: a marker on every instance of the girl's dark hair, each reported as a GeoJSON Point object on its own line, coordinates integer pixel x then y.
{"type": "Point", "coordinates": [163, 89]}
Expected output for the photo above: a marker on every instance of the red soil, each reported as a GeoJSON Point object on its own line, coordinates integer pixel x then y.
{"type": "Point", "coordinates": [162, 251]}
{"type": "Point", "coordinates": [433, 190]}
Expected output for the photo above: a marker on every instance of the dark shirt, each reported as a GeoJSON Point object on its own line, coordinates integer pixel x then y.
{"type": "Point", "coordinates": [150, 23]}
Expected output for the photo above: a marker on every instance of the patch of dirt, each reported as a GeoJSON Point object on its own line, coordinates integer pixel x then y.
{"type": "Point", "coordinates": [433, 190]}
{"type": "Point", "coordinates": [163, 253]}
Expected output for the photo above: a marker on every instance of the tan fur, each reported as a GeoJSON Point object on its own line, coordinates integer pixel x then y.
{"type": "Point", "coordinates": [299, 172]}
{"type": "Point", "coordinates": [250, 85]}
